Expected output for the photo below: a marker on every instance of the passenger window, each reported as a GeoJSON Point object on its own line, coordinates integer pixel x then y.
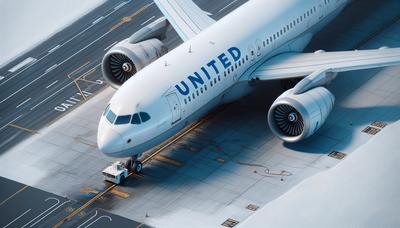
{"type": "Point", "coordinates": [229, 71]}
{"type": "Point", "coordinates": [215, 80]}
{"type": "Point", "coordinates": [197, 92]}
{"type": "Point", "coordinates": [240, 63]}
{"type": "Point", "coordinates": [135, 119]}
{"type": "Point", "coordinates": [123, 120]}
{"type": "Point", "coordinates": [243, 61]}
{"type": "Point", "coordinates": [205, 87]}
{"type": "Point", "coordinates": [232, 68]}
{"type": "Point", "coordinates": [264, 43]}
{"type": "Point", "coordinates": [190, 99]}
{"type": "Point", "coordinates": [144, 116]}
{"type": "Point", "coordinates": [185, 101]}
{"type": "Point", "coordinates": [211, 83]}
{"type": "Point", "coordinates": [111, 116]}
{"type": "Point", "coordinates": [224, 73]}
{"type": "Point", "coordinates": [193, 96]}
{"type": "Point", "coordinates": [201, 89]}
{"type": "Point", "coordinates": [219, 78]}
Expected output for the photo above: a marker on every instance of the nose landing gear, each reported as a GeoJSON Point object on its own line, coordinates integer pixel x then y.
{"type": "Point", "coordinates": [134, 165]}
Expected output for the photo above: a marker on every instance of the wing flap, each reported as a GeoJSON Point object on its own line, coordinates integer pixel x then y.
{"type": "Point", "coordinates": [291, 65]}
{"type": "Point", "coordinates": [185, 17]}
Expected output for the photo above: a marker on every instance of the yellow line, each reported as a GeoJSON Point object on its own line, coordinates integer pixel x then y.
{"type": "Point", "coordinates": [84, 206]}
{"type": "Point", "coordinates": [119, 193]}
{"type": "Point", "coordinates": [24, 129]}
{"type": "Point", "coordinates": [130, 174]}
{"type": "Point", "coordinates": [89, 72]}
{"type": "Point", "coordinates": [83, 65]}
{"type": "Point", "coordinates": [80, 91]}
{"type": "Point", "coordinates": [130, 17]}
{"type": "Point", "coordinates": [22, 189]}
{"type": "Point", "coordinates": [168, 160]}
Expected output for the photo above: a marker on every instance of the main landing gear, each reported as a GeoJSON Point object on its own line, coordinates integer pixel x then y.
{"type": "Point", "coordinates": [134, 165]}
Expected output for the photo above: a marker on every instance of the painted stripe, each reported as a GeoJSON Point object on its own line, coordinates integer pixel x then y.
{"type": "Point", "coordinates": [22, 103]}
{"type": "Point", "coordinates": [10, 122]}
{"type": "Point", "coordinates": [97, 20]}
{"type": "Point", "coordinates": [227, 6]}
{"type": "Point", "coordinates": [51, 68]}
{"type": "Point", "coordinates": [51, 84]}
{"type": "Point", "coordinates": [54, 48]}
{"type": "Point", "coordinates": [151, 18]}
{"type": "Point", "coordinates": [24, 63]}
{"type": "Point", "coordinates": [110, 46]}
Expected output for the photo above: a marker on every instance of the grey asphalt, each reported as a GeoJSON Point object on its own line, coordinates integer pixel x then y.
{"type": "Point", "coordinates": [28, 97]}
{"type": "Point", "coordinates": [37, 208]}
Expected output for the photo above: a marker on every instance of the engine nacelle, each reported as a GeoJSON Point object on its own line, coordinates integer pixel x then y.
{"type": "Point", "coordinates": [296, 117]}
{"type": "Point", "coordinates": [125, 59]}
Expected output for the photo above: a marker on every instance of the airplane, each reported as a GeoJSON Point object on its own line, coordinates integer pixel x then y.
{"type": "Point", "coordinates": [160, 92]}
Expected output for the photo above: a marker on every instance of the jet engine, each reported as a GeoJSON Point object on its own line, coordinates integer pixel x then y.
{"type": "Point", "coordinates": [293, 117]}
{"type": "Point", "coordinates": [125, 59]}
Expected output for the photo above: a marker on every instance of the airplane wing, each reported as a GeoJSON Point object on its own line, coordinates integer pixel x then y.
{"type": "Point", "coordinates": [185, 17]}
{"type": "Point", "coordinates": [292, 65]}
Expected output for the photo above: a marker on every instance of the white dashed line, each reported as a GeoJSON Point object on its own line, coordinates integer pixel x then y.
{"type": "Point", "coordinates": [51, 84]}
{"type": "Point", "coordinates": [151, 18]}
{"type": "Point", "coordinates": [51, 68]}
{"type": "Point", "coordinates": [97, 20]}
{"type": "Point", "coordinates": [227, 6]}
{"type": "Point", "coordinates": [22, 103]}
{"type": "Point", "coordinates": [54, 48]}
{"type": "Point", "coordinates": [10, 122]}
{"type": "Point", "coordinates": [110, 46]}
{"type": "Point", "coordinates": [120, 5]}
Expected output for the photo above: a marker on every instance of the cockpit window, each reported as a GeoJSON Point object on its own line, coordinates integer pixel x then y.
{"type": "Point", "coordinates": [135, 119]}
{"type": "Point", "coordinates": [111, 116]}
{"type": "Point", "coordinates": [106, 110]}
{"type": "Point", "coordinates": [122, 119]}
{"type": "Point", "coordinates": [144, 116]}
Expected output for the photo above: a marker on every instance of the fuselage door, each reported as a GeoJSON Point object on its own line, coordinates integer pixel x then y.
{"type": "Point", "coordinates": [175, 106]}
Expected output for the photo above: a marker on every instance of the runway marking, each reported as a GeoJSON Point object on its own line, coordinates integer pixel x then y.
{"type": "Point", "coordinates": [22, 103]}
{"type": "Point", "coordinates": [24, 63]}
{"type": "Point", "coordinates": [225, 7]}
{"type": "Point", "coordinates": [119, 193]}
{"type": "Point", "coordinates": [22, 189]}
{"type": "Point", "coordinates": [49, 213]}
{"type": "Point", "coordinates": [156, 152]}
{"type": "Point", "coordinates": [120, 5]}
{"type": "Point", "coordinates": [44, 100]}
{"type": "Point", "coordinates": [10, 123]}
{"type": "Point", "coordinates": [24, 129]}
{"type": "Point", "coordinates": [80, 90]}
{"type": "Point", "coordinates": [51, 84]}
{"type": "Point", "coordinates": [17, 218]}
{"type": "Point", "coordinates": [69, 40]}
{"type": "Point", "coordinates": [108, 47]}
{"type": "Point", "coordinates": [168, 160]}
{"type": "Point", "coordinates": [151, 18]}
{"type": "Point", "coordinates": [130, 17]}
{"type": "Point", "coordinates": [54, 48]}
{"type": "Point", "coordinates": [51, 68]}
{"type": "Point", "coordinates": [77, 69]}
{"type": "Point", "coordinates": [97, 20]}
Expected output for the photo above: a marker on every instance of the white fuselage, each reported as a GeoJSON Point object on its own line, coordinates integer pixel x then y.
{"type": "Point", "coordinates": [203, 72]}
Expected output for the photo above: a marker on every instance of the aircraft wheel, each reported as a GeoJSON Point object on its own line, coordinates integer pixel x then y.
{"type": "Point", "coordinates": [137, 167]}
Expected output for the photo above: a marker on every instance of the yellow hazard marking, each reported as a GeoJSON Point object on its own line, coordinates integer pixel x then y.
{"type": "Point", "coordinates": [88, 190]}
{"type": "Point", "coordinates": [129, 18]}
{"type": "Point", "coordinates": [24, 129]}
{"type": "Point", "coordinates": [16, 193]}
{"type": "Point", "coordinates": [119, 193]}
{"type": "Point", "coordinates": [77, 69]}
{"type": "Point", "coordinates": [168, 160]}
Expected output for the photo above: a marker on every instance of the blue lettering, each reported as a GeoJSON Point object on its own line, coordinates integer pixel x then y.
{"type": "Point", "coordinates": [196, 79]}
{"type": "Point", "coordinates": [224, 60]}
{"type": "Point", "coordinates": [183, 92]}
{"type": "Point", "coordinates": [206, 73]}
{"type": "Point", "coordinates": [235, 52]}
{"type": "Point", "coordinates": [212, 64]}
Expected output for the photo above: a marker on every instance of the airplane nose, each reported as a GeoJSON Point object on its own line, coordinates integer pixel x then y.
{"type": "Point", "coordinates": [108, 140]}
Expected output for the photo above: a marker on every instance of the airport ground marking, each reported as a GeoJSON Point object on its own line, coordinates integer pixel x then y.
{"type": "Point", "coordinates": [157, 151]}
{"type": "Point", "coordinates": [17, 218]}
{"type": "Point", "coordinates": [80, 90]}
{"type": "Point", "coordinates": [50, 85]}
{"type": "Point", "coordinates": [16, 193]}
{"type": "Point", "coordinates": [22, 103]}
{"type": "Point", "coordinates": [23, 128]}
{"type": "Point", "coordinates": [11, 122]}
{"type": "Point", "coordinates": [60, 45]}
{"type": "Point", "coordinates": [129, 18]}
{"type": "Point", "coordinates": [77, 69]}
